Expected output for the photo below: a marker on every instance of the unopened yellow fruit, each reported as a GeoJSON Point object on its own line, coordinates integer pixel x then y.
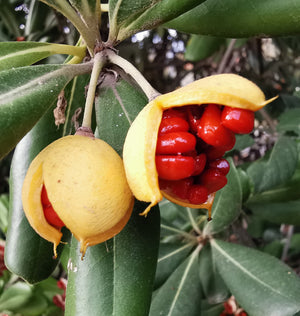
{"type": "Point", "coordinates": [86, 184]}
{"type": "Point", "coordinates": [140, 144]}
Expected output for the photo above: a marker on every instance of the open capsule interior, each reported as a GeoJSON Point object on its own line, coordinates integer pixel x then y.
{"type": "Point", "coordinates": [191, 143]}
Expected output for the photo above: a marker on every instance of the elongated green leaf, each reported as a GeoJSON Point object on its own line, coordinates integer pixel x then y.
{"type": "Point", "coordinates": [278, 213]}
{"type": "Point", "coordinates": [262, 284]}
{"type": "Point", "coordinates": [181, 293]}
{"type": "Point", "coordinates": [243, 18]}
{"type": "Point", "coordinates": [200, 47]}
{"type": "Point", "coordinates": [213, 286]}
{"type": "Point", "coordinates": [17, 54]}
{"type": "Point", "coordinates": [15, 296]}
{"type": "Point", "coordinates": [25, 95]}
{"type": "Point", "coordinates": [227, 203]}
{"type": "Point", "coordinates": [289, 121]}
{"type": "Point", "coordinates": [169, 258]}
{"type": "Point", "coordinates": [89, 11]}
{"type": "Point", "coordinates": [277, 169]}
{"type": "Point", "coordinates": [116, 277]}
{"type": "Point", "coordinates": [129, 17]}
{"type": "Point", "coordinates": [117, 105]}
{"type": "Point", "coordinates": [36, 306]}
{"type": "Point", "coordinates": [285, 192]}
{"type": "Point", "coordinates": [26, 253]}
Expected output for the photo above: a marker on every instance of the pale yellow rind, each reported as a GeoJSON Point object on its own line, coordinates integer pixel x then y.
{"type": "Point", "coordinates": [31, 198]}
{"type": "Point", "coordinates": [139, 154]}
{"type": "Point", "coordinates": [225, 89]}
{"type": "Point", "coordinates": [87, 187]}
{"type": "Point", "coordinates": [140, 143]}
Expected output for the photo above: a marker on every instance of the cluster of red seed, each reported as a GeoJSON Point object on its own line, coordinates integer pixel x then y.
{"type": "Point", "coordinates": [191, 143]}
{"type": "Point", "coordinates": [49, 213]}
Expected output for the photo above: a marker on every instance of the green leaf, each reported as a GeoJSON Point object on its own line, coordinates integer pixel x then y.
{"type": "Point", "coordinates": [181, 293]}
{"type": "Point", "coordinates": [213, 286]}
{"type": "Point", "coordinates": [116, 277]}
{"type": "Point", "coordinates": [200, 47]}
{"type": "Point", "coordinates": [15, 296]}
{"type": "Point", "coordinates": [89, 11]}
{"type": "Point", "coordinates": [242, 18]}
{"type": "Point", "coordinates": [117, 104]}
{"type": "Point", "coordinates": [3, 213]}
{"type": "Point", "coordinates": [211, 310]}
{"type": "Point", "coordinates": [169, 258]}
{"type": "Point", "coordinates": [277, 169]}
{"type": "Point", "coordinates": [25, 95]}
{"type": "Point", "coordinates": [129, 17]}
{"type": "Point", "coordinates": [289, 121]}
{"type": "Point", "coordinates": [26, 253]}
{"type": "Point", "coordinates": [285, 192]}
{"type": "Point", "coordinates": [278, 213]}
{"type": "Point", "coordinates": [36, 306]}
{"type": "Point", "coordinates": [272, 288]}
{"type": "Point", "coordinates": [17, 54]}
{"type": "Point", "coordinates": [227, 204]}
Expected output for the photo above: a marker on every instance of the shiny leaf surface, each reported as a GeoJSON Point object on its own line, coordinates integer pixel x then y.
{"type": "Point", "coordinates": [280, 166]}
{"type": "Point", "coordinates": [17, 54]}
{"type": "Point", "coordinates": [272, 287]}
{"type": "Point", "coordinates": [25, 95]}
{"type": "Point", "coordinates": [129, 17]}
{"type": "Point", "coordinates": [244, 18]}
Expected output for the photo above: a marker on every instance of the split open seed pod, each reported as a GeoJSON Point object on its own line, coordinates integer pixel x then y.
{"type": "Point", "coordinates": [140, 144]}
{"type": "Point", "coordinates": [86, 185]}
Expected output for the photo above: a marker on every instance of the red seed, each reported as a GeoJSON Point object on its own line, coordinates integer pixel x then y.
{"type": "Point", "coordinates": [212, 131]}
{"type": "Point", "coordinates": [239, 121]}
{"type": "Point", "coordinates": [175, 143]}
{"type": "Point", "coordinates": [197, 194]}
{"type": "Point", "coordinates": [194, 113]}
{"type": "Point", "coordinates": [213, 153]}
{"type": "Point", "coordinates": [44, 197]}
{"type": "Point", "coordinates": [200, 162]}
{"type": "Point", "coordinates": [174, 167]}
{"type": "Point", "coordinates": [181, 188]}
{"type": "Point", "coordinates": [173, 124]}
{"type": "Point", "coordinates": [222, 165]}
{"type": "Point", "coordinates": [175, 112]}
{"type": "Point", "coordinates": [213, 180]}
{"type": "Point", "coordinates": [52, 217]}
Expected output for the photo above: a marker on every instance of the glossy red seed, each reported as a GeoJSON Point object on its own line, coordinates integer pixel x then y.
{"type": "Point", "coordinates": [200, 162]}
{"type": "Point", "coordinates": [222, 165]}
{"type": "Point", "coordinates": [175, 143]}
{"type": "Point", "coordinates": [213, 153]}
{"type": "Point", "coordinates": [181, 188]}
{"type": "Point", "coordinates": [213, 180]}
{"type": "Point", "coordinates": [174, 167]}
{"type": "Point", "coordinates": [175, 112]}
{"type": "Point", "coordinates": [194, 113]}
{"type": "Point", "coordinates": [49, 213]}
{"type": "Point", "coordinates": [52, 217]}
{"type": "Point", "coordinates": [173, 124]}
{"type": "Point", "coordinates": [212, 131]}
{"type": "Point", "coordinates": [197, 194]}
{"type": "Point", "coordinates": [44, 197]}
{"type": "Point", "coordinates": [239, 121]}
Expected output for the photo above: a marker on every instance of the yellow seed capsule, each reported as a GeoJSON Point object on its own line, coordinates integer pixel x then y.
{"type": "Point", "coordinates": [87, 187]}
{"type": "Point", "coordinates": [140, 144]}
